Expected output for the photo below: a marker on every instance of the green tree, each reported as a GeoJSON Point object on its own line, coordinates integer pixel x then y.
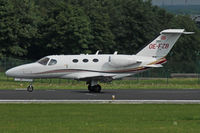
{"type": "Point", "coordinates": [6, 10]}
{"type": "Point", "coordinates": [18, 26]}
{"type": "Point", "coordinates": [185, 51]}
{"type": "Point", "coordinates": [102, 36]}
{"type": "Point", "coordinates": [33, 29]}
{"type": "Point", "coordinates": [66, 30]}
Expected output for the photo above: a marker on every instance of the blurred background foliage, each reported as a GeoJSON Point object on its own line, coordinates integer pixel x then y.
{"type": "Point", "coordinates": [31, 29]}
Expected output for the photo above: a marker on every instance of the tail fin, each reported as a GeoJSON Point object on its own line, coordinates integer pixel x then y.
{"type": "Point", "coordinates": [161, 46]}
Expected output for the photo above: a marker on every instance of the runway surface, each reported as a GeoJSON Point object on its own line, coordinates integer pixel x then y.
{"type": "Point", "coordinates": [120, 94]}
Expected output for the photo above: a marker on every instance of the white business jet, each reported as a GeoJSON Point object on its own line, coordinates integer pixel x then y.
{"type": "Point", "coordinates": [96, 68]}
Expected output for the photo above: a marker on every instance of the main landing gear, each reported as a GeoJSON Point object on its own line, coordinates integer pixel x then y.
{"type": "Point", "coordinates": [94, 87]}
{"type": "Point", "coordinates": [30, 88]}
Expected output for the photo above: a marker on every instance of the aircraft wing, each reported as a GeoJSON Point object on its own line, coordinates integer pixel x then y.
{"type": "Point", "coordinates": [90, 75]}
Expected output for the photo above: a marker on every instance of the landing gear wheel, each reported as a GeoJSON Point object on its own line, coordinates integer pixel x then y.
{"type": "Point", "coordinates": [90, 88]}
{"type": "Point", "coordinates": [30, 88]}
{"type": "Point", "coordinates": [96, 88]}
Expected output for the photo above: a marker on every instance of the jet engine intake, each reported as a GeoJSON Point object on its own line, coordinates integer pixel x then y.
{"type": "Point", "coordinates": [122, 61]}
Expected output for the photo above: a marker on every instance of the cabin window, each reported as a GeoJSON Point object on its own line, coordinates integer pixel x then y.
{"type": "Point", "coordinates": [85, 60]}
{"type": "Point", "coordinates": [52, 62]}
{"type": "Point", "coordinates": [75, 60]}
{"type": "Point", "coordinates": [43, 61]}
{"type": "Point", "coordinates": [95, 60]}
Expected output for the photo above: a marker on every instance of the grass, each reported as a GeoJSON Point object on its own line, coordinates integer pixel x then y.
{"type": "Point", "coordinates": [99, 118]}
{"type": "Point", "coordinates": [159, 83]}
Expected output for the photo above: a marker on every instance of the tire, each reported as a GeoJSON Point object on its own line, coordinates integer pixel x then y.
{"type": "Point", "coordinates": [97, 88]}
{"type": "Point", "coordinates": [90, 88]}
{"type": "Point", "coordinates": [30, 88]}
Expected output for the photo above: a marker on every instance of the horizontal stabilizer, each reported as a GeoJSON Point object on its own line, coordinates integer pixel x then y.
{"type": "Point", "coordinates": [154, 65]}
{"type": "Point", "coordinates": [175, 31]}
{"type": "Point", "coordinates": [188, 33]}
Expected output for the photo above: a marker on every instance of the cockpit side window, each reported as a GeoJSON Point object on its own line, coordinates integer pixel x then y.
{"type": "Point", "coordinates": [43, 61]}
{"type": "Point", "coordinates": [52, 62]}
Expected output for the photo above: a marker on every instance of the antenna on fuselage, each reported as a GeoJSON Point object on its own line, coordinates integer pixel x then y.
{"type": "Point", "coordinates": [115, 53]}
{"type": "Point", "coordinates": [97, 52]}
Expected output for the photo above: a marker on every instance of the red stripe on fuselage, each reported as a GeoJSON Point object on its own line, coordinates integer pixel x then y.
{"type": "Point", "coordinates": [164, 60]}
{"type": "Point", "coordinates": [161, 61]}
{"type": "Point", "coordinates": [82, 70]}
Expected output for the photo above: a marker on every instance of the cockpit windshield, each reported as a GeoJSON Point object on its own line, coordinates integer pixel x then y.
{"type": "Point", "coordinates": [43, 61]}
{"type": "Point", "coordinates": [52, 62]}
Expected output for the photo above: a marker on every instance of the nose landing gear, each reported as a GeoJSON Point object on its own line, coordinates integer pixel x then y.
{"type": "Point", "coordinates": [30, 88]}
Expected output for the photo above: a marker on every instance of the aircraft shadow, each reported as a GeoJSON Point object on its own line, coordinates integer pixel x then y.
{"type": "Point", "coordinates": [87, 92]}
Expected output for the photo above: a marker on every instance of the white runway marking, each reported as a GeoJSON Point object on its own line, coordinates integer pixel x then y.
{"type": "Point", "coordinates": [50, 90]}
{"type": "Point", "coordinates": [20, 89]}
{"type": "Point", "coordinates": [107, 101]}
{"type": "Point", "coordinates": [89, 94]}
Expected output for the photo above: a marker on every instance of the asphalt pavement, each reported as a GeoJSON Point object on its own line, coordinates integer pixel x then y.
{"type": "Point", "coordinates": [119, 94]}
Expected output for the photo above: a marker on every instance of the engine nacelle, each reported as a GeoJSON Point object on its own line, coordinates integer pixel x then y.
{"type": "Point", "coordinates": [122, 61]}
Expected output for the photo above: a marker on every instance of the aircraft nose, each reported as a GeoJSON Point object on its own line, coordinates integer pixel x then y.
{"type": "Point", "coordinates": [10, 72]}
{"type": "Point", "coordinates": [13, 72]}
